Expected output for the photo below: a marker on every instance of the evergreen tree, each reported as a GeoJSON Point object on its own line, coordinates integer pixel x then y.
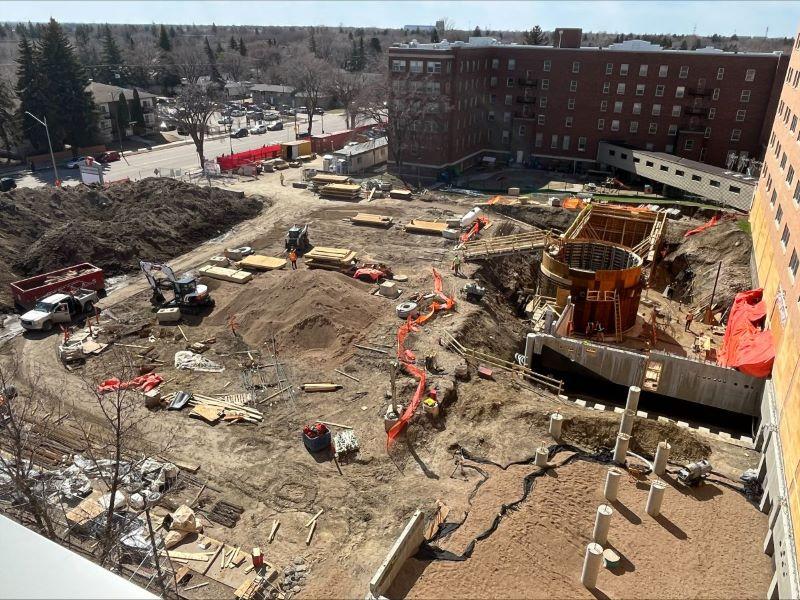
{"type": "Point", "coordinates": [477, 31]}
{"type": "Point", "coordinates": [172, 33]}
{"type": "Point", "coordinates": [137, 114]}
{"type": "Point", "coordinates": [112, 70]}
{"type": "Point", "coordinates": [214, 28]}
{"type": "Point", "coordinates": [29, 91]}
{"type": "Point", "coordinates": [154, 30]}
{"type": "Point", "coordinates": [362, 58]}
{"type": "Point", "coordinates": [70, 108]}
{"type": "Point", "coordinates": [434, 36]}
{"type": "Point", "coordinates": [213, 71]}
{"type": "Point", "coordinates": [312, 43]}
{"type": "Point", "coordinates": [219, 49]}
{"type": "Point", "coordinates": [123, 115]}
{"type": "Point", "coordinates": [232, 44]}
{"type": "Point", "coordinates": [375, 45]}
{"type": "Point", "coordinates": [163, 40]}
{"type": "Point", "coordinates": [684, 45]}
{"type": "Point", "coordinates": [242, 47]}
{"type": "Point", "coordinates": [535, 37]}
{"type": "Point", "coordinates": [696, 44]}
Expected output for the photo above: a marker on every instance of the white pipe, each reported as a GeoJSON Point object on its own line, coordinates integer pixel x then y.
{"type": "Point", "coordinates": [655, 497]}
{"type": "Point", "coordinates": [662, 455]}
{"type": "Point", "coordinates": [591, 565]}
{"type": "Point", "coordinates": [612, 484]}
{"type": "Point", "coordinates": [556, 420]}
{"type": "Point", "coordinates": [633, 399]}
{"type": "Point", "coordinates": [541, 457]}
{"type": "Point", "coordinates": [602, 523]}
{"type": "Point", "coordinates": [621, 448]}
{"type": "Point", "coordinates": [626, 423]}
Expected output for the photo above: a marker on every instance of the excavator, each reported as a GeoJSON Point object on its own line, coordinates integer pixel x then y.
{"type": "Point", "coordinates": [188, 295]}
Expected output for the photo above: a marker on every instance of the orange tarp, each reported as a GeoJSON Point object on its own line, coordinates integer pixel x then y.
{"type": "Point", "coordinates": [747, 347]}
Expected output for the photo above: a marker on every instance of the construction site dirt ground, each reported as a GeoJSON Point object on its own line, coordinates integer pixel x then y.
{"type": "Point", "coordinates": [316, 318]}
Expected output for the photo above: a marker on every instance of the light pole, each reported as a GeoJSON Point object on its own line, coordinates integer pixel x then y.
{"type": "Point", "coordinates": [322, 121]}
{"type": "Point", "coordinates": [49, 143]}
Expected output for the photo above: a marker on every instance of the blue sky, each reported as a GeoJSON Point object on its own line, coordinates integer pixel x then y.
{"type": "Point", "coordinates": [664, 16]}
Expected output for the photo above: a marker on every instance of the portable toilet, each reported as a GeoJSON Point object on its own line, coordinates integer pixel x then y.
{"type": "Point", "coordinates": [327, 163]}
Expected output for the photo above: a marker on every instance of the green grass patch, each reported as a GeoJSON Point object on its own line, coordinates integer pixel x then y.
{"type": "Point", "coordinates": [744, 225]}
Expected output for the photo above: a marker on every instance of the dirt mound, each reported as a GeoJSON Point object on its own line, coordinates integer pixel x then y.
{"type": "Point", "coordinates": [44, 228]}
{"type": "Point", "coordinates": [544, 217]}
{"type": "Point", "coordinates": [692, 263]}
{"type": "Point", "coordinates": [315, 313]}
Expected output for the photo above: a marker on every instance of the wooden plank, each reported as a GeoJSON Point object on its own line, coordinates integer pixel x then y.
{"type": "Point", "coordinates": [259, 262]}
{"type": "Point", "coordinates": [224, 274]}
{"type": "Point", "coordinates": [346, 375]}
{"type": "Point", "coordinates": [315, 517]}
{"type": "Point", "coordinates": [275, 526]}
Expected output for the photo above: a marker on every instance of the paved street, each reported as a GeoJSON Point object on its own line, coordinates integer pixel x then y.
{"type": "Point", "coordinates": [138, 166]}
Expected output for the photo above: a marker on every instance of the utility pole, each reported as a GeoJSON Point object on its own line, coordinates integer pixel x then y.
{"type": "Point", "coordinates": [49, 144]}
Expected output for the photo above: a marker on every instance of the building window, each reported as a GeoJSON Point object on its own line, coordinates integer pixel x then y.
{"type": "Point", "coordinates": [713, 183]}
{"type": "Point", "coordinates": [581, 144]}
{"type": "Point", "coordinates": [712, 112]}
{"type": "Point", "coordinates": [773, 197]}
{"type": "Point", "coordinates": [664, 168]}
{"type": "Point", "coordinates": [521, 131]}
{"type": "Point", "coordinates": [568, 122]}
{"type": "Point", "coordinates": [656, 110]}
{"type": "Point", "coordinates": [642, 70]}
{"type": "Point", "coordinates": [492, 98]}
{"type": "Point", "coordinates": [506, 117]}
{"type": "Point", "coordinates": [620, 88]}
{"type": "Point", "coordinates": [736, 135]}
{"type": "Point", "coordinates": [601, 123]}
{"type": "Point", "coordinates": [490, 115]}
{"type": "Point", "coordinates": [663, 70]}
{"type": "Point", "coordinates": [707, 133]}
{"type": "Point", "coordinates": [509, 99]}
{"type": "Point", "coordinates": [615, 125]}
{"type": "Point", "coordinates": [538, 140]}
{"type": "Point", "coordinates": [571, 104]}
{"type": "Point", "coordinates": [545, 84]}
{"type": "Point", "coordinates": [778, 216]}
{"type": "Point", "coordinates": [512, 64]}
{"type": "Point", "coordinates": [493, 82]}
{"type": "Point", "coordinates": [633, 127]}
{"type": "Point", "coordinates": [505, 136]}
{"type": "Point", "coordinates": [680, 91]}
{"type": "Point", "coordinates": [679, 173]}
{"type": "Point", "coordinates": [740, 115]}
{"type": "Point", "coordinates": [416, 66]}
{"type": "Point", "coordinates": [398, 66]}
{"type": "Point", "coordinates": [637, 108]}
{"type": "Point", "coordinates": [785, 236]}
{"type": "Point", "coordinates": [659, 91]}
{"type": "Point", "coordinates": [688, 145]}
{"type": "Point", "coordinates": [543, 102]}
{"type": "Point", "coordinates": [546, 66]}
{"type": "Point", "coordinates": [640, 89]}
{"type": "Point", "coordinates": [652, 129]}
{"type": "Point", "coordinates": [697, 178]}
{"type": "Point", "coordinates": [676, 110]}
{"type": "Point", "coordinates": [603, 105]}
{"type": "Point", "coordinates": [790, 176]}
{"type": "Point", "coordinates": [617, 107]}
{"type": "Point", "coordinates": [609, 68]}
{"type": "Point", "coordinates": [540, 119]}
{"type": "Point", "coordinates": [750, 75]}
{"type": "Point", "coordinates": [565, 142]}
{"type": "Point", "coordinates": [715, 94]}
{"type": "Point", "coordinates": [510, 82]}
{"type": "Point", "coordinates": [720, 73]}
{"type": "Point", "coordinates": [434, 67]}
{"type": "Point", "coordinates": [744, 96]}
{"type": "Point", "coordinates": [554, 141]}
{"type": "Point", "coordinates": [573, 86]}
{"type": "Point", "coordinates": [684, 72]}
{"type": "Point", "coordinates": [623, 69]}
{"type": "Point", "coordinates": [734, 190]}
{"type": "Point", "coordinates": [793, 264]}
{"type": "Point", "coordinates": [793, 126]}
{"type": "Point", "coordinates": [495, 63]}
{"type": "Point", "coordinates": [606, 87]}
{"type": "Point", "coordinates": [576, 67]}
{"type": "Point", "coordinates": [648, 163]}
{"type": "Point", "coordinates": [796, 196]}
{"type": "Point", "coordinates": [673, 130]}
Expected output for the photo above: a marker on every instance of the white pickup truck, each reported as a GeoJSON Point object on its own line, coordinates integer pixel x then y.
{"type": "Point", "coordinates": [59, 308]}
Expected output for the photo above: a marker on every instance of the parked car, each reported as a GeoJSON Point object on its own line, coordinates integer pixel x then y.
{"type": "Point", "coordinates": [107, 157]}
{"type": "Point", "coordinates": [275, 126]}
{"type": "Point", "coordinates": [7, 184]}
{"type": "Point", "coordinates": [240, 133]}
{"type": "Point", "coordinates": [225, 121]}
{"type": "Point", "coordinates": [287, 112]}
{"type": "Point", "coordinates": [319, 111]}
{"type": "Point", "coordinates": [302, 134]}
{"type": "Point", "coordinates": [302, 110]}
{"type": "Point", "coordinates": [260, 128]}
{"type": "Point", "coordinates": [76, 162]}
{"type": "Point", "coordinates": [166, 126]}
{"type": "Point", "coordinates": [237, 113]}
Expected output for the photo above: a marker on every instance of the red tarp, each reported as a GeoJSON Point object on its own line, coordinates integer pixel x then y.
{"type": "Point", "coordinates": [145, 383]}
{"type": "Point", "coordinates": [747, 347]}
{"type": "Point", "coordinates": [234, 161]}
{"type": "Point", "coordinates": [714, 220]}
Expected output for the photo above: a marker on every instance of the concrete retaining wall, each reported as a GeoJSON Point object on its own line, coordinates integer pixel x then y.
{"type": "Point", "coordinates": [405, 547]}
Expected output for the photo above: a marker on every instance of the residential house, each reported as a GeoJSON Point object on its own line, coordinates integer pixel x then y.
{"type": "Point", "coordinates": [106, 97]}
{"type": "Point", "coordinates": [237, 90]}
{"type": "Point", "coordinates": [267, 93]}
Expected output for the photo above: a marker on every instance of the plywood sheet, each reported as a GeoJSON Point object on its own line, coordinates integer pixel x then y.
{"type": "Point", "coordinates": [259, 262]}
{"type": "Point", "coordinates": [420, 226]}
{"type": "Point", "coordinates": [224, 274]}
{"type": "Point", "coordinates": [371, 219]}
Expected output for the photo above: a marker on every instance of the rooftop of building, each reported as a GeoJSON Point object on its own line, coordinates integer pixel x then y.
{"type": "Point", "coordinates": [363, 147]}
{"type": "Point", "coordinates": [271, 87]}
{"type": "Point", "coordinates": [626, 46]}
{"type": "Point", "coordinates": [103, 91]}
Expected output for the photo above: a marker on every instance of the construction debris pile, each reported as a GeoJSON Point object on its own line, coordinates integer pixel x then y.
{"type": "Point", "coordinates": [46, 228]}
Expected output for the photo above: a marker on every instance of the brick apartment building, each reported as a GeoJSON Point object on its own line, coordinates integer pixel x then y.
{"type": "Point", "coordinates": [552, 105]}
{"type": "Point", "coordinates": [775, 223]}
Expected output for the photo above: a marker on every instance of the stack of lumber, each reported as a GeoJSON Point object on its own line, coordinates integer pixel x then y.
{"type": "Point", "coordinates": [504, 245]}
{"type": "Point", "coordinates": [227, 410]}
{"type": "Point", "coordinates": [371, 220]}
{"type": "Point", "coordinates": [341, 191]}
{"type": "Point", "coordinates": [259, 262]}
{"type": "Point", "coordinates": [429, 227]}
{"type": "Point", "coordinates": [225, 274]}
{"type": "Point", "coordinates": [332, 259]}
{"type": "Point", "coordinates": [324, 179]}
{"type": "Point", "coordinates": [400, 194]}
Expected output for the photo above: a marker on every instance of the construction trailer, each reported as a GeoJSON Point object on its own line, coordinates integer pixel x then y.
{"type": "Point", "coordinates": [294, 150]}
{"type": "Point", "coordinates": [330, 142]}
{"type": "Point", "coordinates": [356, 158]}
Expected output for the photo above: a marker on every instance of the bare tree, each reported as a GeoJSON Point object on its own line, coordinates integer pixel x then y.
{"type": "Point", "coordinates": [25, 423]}
{"type": "Point", "coordinates": [188, 63]}
{"type": "Point", "coordinates": [309, 77]}
{"type": "Point", "coordinates": [235, 65]}
{"type": "Point", "coordinates": [194, 107]}
{"type": "Point", "coordinates": [348, 88]}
